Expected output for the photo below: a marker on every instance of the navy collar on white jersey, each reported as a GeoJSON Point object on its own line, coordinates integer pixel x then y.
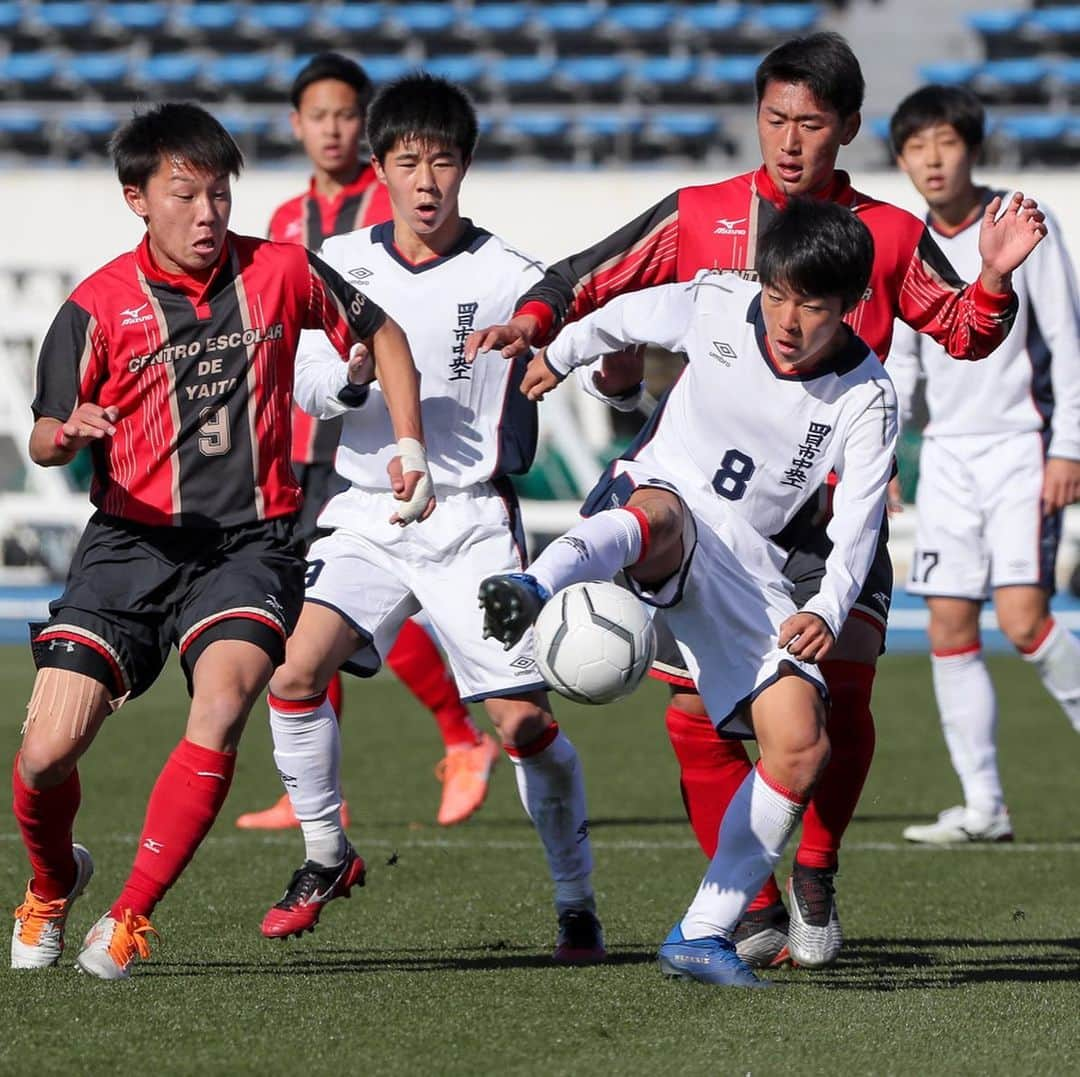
{"type": "Point", "coordinates": [844, 361]}
{"type": "Point", "coordinates": [472, 239]}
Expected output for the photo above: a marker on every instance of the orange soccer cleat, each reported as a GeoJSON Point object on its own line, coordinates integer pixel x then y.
{"type": "Point", "coordinates": [280, 816]}
{"type": "Point", "coordinates": [111, 945]}
{"type": "Point", "coordinates": [464, 773]}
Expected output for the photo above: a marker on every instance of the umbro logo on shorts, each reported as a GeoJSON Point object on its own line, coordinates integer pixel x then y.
{"type": "Point", "coordinates": [523, 663]}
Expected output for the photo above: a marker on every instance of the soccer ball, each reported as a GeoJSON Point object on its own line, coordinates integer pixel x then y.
{"type": "Point", "coordinates": [594, 642]}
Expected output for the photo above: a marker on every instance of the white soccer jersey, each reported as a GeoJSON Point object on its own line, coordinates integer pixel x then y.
{"type": "Point", "coordinates": [737, 432]}
{"type": "Point", "coordinates": [476, 423]}
{"type": "Point", "coordinates": [1032, 381]}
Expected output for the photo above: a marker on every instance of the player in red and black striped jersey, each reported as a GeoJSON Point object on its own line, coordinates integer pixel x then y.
{"type": "Point", "coordinates": [809, 93]}
{"type": "Point", "coordinates": [329, 97]}
{"type": "Point", "coordinates": [174, 364]}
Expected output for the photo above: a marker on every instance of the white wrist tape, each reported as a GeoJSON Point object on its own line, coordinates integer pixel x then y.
{"type": "Point", "coordinates": [414, 458]}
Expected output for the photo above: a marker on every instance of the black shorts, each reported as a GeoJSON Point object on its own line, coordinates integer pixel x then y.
{"type": "Point", "coordinates": [808, 548]}
{"type": "Point", "coordinates": [319, 482]}
{"type": "Point", "coordinates": [133, 592]}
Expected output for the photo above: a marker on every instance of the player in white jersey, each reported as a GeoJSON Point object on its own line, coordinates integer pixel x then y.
{"type": "Point", "coordinates": [776, 393]}
{"type": "Point", "coordinates": [1000, 460]}
{"type": "Point", "coordinates": [444, 276]}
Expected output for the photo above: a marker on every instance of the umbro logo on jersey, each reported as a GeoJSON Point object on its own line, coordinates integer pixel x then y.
{"type": "Point", "coordinates": [729, 227]}
{"type": "Point", "coordinates": [360, 275]}
{"type": "Point", "coordinates": [722, 353]}
{"type": "Point", "coordinates": [135, 316]}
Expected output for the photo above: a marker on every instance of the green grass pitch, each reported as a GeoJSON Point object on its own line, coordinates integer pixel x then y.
{"type": "Point", "coordinates": [964, 962]}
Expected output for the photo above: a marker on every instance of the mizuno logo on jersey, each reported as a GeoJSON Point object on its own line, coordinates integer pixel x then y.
{"type": "Point", "coordinates": [135, 316]}
{"type": "Point", "coordinates": [722, 353]}
{"type": "Point", "coordinates": [729, 227]}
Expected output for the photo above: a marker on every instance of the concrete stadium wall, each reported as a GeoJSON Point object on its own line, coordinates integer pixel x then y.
{"type": "Point", "coordinates": [76, 219]}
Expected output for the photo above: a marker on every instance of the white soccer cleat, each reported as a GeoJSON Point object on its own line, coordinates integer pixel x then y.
{"type": "Point", "coordinates": [960, 825]}
{"type": "Point", "coordinates": [814, 933]}
{"type": "Point", "coordinates": [111, 945]}
{"type": "Point", "coordinates": [37, 940]}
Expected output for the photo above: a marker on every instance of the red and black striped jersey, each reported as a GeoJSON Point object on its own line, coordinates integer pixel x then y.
{"type": "Point", "coordinates": [717, 227]}
{"type": "Point", "coordinates": [202, 375]}
{"type": "Point", "coordinates": [310, 219]}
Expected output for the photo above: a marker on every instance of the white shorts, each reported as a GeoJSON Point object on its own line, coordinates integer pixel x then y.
{"type": "Point", "coordinates": [725, 607]}
{"type": "Point", "coordinates": [980, 517]}
{"type": "Point", "coordinates": [377, 574]}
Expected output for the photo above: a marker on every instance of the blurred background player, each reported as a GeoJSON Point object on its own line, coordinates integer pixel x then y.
{"type": "Point", "coordinates": [443, 274]}
{"type": "Point", "coordinates": [693, 537]}
{"type": "Point", "coordinates": [1000, 461]}
{"type": "Point", "coordinates": [178, 355]}
{"type": "Point", "coordinates": [809, 95]}
{"type": "Point", "coordinates": [330, 96]}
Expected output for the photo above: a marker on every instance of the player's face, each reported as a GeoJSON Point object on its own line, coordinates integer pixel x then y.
{"type": "Point", "coordinates": [423, 180]}
{"type": "Point", "coordinates": [802, 330]}
{"type": "Point", "coordinates": [800, 137]}
{"type": "Point", "coordinates": [186, 213]}
{"type": "Point", "coordinates": [938, 162]}
{"type": "Point", "coordinates": [329, 124]}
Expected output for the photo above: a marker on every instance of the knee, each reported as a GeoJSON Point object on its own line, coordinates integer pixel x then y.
{"type": "Point", "coordinates": [519, 721]}
{"type": "Point", "coordinates": [1024, 630]}
{"type": "Point", "coordinates": [296, 680]}
{"type": "Point", "coordinates": [689, 703]}
{"type": "Point", "coordinates": [40, 766]}
{"type": "Point", "coordinates": [798, 762]}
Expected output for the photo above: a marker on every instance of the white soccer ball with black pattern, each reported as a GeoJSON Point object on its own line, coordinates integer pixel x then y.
{"type": "Point", "coordinates": [594, 642]}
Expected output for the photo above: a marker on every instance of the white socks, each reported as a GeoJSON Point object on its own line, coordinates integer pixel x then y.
{"type": "Point", "coordinates": [307, 752]}
{"type": "Point", "coordinates": [968, 709]}
{"type": "Point", "coordinates": [596, 549]}
{"type": "Point", "coordinates": [1057, 659]}
{"type": "Point", "coordinates": [552, 791]}
{"type": "Point", "coordinates": [755, 828]}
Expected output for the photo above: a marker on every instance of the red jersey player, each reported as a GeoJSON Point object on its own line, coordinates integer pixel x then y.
{"type": "Point", "coordinates": [809, 92]}
{"type": "Point", "coordinates": [174, 363]}
{"type": "Point", "coordinates": [329, 97]}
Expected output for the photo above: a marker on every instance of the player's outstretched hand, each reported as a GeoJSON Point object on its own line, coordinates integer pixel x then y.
{"type": "Point", "coordinates": [620, 372]}
{"type": "Point", "coordinates": [88, 423]}
{"type": "Point", "coordinates": [1005, 241]}
{"type": "Point", "coordinates": [539, 378]}
{"type": "Point", "coordinates": [512, 339]}
{"type": "Point", "coordinates": [411, 482]}
{"type": "Point", "coordinates": [806, 636]}
{"type": "Point", "coordinates": [1061, 484]}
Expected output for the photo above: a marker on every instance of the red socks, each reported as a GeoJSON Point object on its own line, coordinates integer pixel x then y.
{"type": "Point", "coordinates": [852, 736]}
{"type": "Point", "coordinates": [185, 801]}
{"type": "Point", "coordinates": [45, 818]}
{"type": "Point", "coordinates": [420, 666]}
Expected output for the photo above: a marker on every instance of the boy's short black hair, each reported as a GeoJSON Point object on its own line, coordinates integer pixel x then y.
{"type": "Point", "coordinates": [425, 108]}
{"type": "Point", "coordinates": [817, 248]}
{"type": "Point", "coordinates": [182, 131]}
{"type": "Point", "coordinates": [823, 63]}
{"type": "Point", "coordinates": [934, 104]}
{"type": "Point", "coordinates": [332, 65]}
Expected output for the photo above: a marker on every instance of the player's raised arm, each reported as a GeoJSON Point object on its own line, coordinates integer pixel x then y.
{"type": "Point", "coordinates": [640, 254]}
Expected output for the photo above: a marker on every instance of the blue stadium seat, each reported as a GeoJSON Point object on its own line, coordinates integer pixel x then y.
{"type": "Point", "coordinates": [499, 19]}
{"type": "Point", "coordinates": [34, 74]}
{"type": "Point", "coordinates": [133, 18]}
{"type": "Point", "coordinates": [783, 20]}
{"type": "Point", "coordinates": [1017, 81]}
{"type": "Point", "coordinates": [667, 78]}
{"type": "Point", "coordinates": [361, 24]}
{"type": "Point", "coordinates": [242, 72]}
{"type": "Point", "coordinates": [687, 124]}
{"type": "Point", "coordinates": [92, 124]}
{"type": "Point", "coordinates": [1049, 138]}
{"type": "Point", "coordinates": [539, 124]}
{"type": "Point", "coordinates": [525, 78]}
{"type": "Point", "coordinates": [218, 22]}
{"type": "Point", "coordinates": [597, 125]}
{"type": "Point", "coordinates": [281, 19]}
{"type": "Point", "coordinates": [23, 130]}
{"type": "Point", "coordinates": [714, 21]}
{"type": "Point", "coordinates": [382, 69]}
{"type": "Point", "coordinates": [949, 72]}
{"type": "Point", "coordinates": [242, 125]}
{"type": "Point", "coordinates": [1055, 28]}
{"type": "Point", "coordinates": [66, 17]}
{"type": "Point", "coordinates": [10, 15]}
{"type": "Point", "coordinates": [1066, 75]}
{"type": "Point", "coordinates": [433, 24]}
{"type": "Point", "coordinates": [730, 77]}
{"type": "Point", "coordinates": [1000, 31]}
{"type": "Point", "coordinates": [466, 70]}
{"type": "Point", "coordinates": [598, 78]}
{"type": "Point", "coordinates": [643, 26]}
{"type": "Point", "coordinates": [682, 134]}
{"type": "Point", "coordinates": [102, 71]}
{"type": "Point", "coordinates": [354, 18]}
{"type": "Point", "coordinates": [543, 134]}
{"type": "Point", "coordinates": [169, 73]}
{"type": "Point", "coordinates": [574, 28]}
{"type": "Point", "coordinates": [1035, 127]}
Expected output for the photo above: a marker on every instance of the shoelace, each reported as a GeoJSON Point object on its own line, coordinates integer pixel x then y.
{"type": "Point", "coordinates": [129, 938]}
{"type": "Point", "coordinates": [305, 881]}
{"type": "Point", "coordinates": [35, 915]}
{"type": "Point", "coordinates": [815, 892]}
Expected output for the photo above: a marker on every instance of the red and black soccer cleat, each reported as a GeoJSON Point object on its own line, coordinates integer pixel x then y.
{"type": "Point", "coordinates": [310, 888]}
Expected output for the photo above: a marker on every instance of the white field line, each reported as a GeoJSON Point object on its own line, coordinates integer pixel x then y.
{"type": "Point", "coordinates": [618, 845]}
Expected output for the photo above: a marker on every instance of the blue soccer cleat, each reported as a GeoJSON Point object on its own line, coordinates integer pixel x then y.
{"type": "Point", "coordinates": [711, 960]}
{"type": "Point", "coordinates": [511, 604]}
